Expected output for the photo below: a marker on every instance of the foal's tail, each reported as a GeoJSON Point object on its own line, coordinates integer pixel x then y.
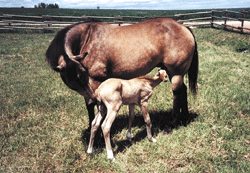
{"type": "Point", "coordinates": [193, 72]}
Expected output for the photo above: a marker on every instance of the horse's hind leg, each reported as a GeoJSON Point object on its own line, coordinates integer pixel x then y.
{"type": "Point", "coordinates": [180, 107]}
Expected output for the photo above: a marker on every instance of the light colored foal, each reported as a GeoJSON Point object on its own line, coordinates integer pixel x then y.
{"type": "Point", "coordinates": [113, 93]}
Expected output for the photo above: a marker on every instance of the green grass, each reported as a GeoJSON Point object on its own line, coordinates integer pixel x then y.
{"type": "Point", "coordinates": [43, 123]}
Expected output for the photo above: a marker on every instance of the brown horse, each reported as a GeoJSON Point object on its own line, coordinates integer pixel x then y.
{"type": "Point", "coordinates": [86, 54]}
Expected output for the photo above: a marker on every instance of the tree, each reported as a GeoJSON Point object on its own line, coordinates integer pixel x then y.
{"type": "Point", "coordinates": [43, 5]}
{"type": "Point", "coordinates": [56, 5]}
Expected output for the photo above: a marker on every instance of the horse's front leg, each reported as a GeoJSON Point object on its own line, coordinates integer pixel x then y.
{"type": "Point", "coordinates": [91, 112]}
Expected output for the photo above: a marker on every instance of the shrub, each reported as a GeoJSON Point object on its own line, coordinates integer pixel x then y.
{"type": "Point", "coordinates": [242, 45]}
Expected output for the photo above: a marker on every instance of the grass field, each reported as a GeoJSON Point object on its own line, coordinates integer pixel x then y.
{"type": "Point", "coordinates": [43, 123]}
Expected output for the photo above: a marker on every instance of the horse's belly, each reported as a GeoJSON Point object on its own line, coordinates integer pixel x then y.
{"type": "Point", "coordinates": [133, 56]}
{"type": "Point", "coordinates": [133, 67]}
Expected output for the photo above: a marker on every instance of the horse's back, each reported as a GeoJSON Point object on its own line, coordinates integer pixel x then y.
{"type": "Point", "coordinates": [160, 41]}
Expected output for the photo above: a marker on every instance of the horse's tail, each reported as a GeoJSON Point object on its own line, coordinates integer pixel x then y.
{"type": "Point", "coordinates": [193, 72]}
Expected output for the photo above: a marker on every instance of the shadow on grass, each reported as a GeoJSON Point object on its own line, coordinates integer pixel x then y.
{"type": "Point", "coordinates": [161, 121]}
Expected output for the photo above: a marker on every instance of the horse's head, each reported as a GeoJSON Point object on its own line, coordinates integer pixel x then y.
{"type": "Point", "coordinates": [74, 75]}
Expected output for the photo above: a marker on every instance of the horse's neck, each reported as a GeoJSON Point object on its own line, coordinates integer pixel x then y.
{"type": "Point", "coordinates": [93, 85]}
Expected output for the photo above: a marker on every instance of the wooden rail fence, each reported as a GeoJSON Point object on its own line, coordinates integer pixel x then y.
{"type": "Point", "coordinates": [50, 23]}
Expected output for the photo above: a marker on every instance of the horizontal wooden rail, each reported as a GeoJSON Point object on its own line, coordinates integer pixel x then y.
{"type": "Point", "coordinates": [188, 14]}
{"type": "Point", "coordinates": [225, 18]}
{"type": "Point", "coordinates": [29, 28]}
{"type": "Point", "coordinates": [197, 24]}
{"type": "Point", "coordinates": [195, 19]}
{"type": "Point", "coordinates": [244, 19]}
{"type": "Point", "coordinates": [21, 16]}
{"type": "Point", "coordinates": [21, 21]}
{"type": "Point", "coordinates": [235, 27]}
{"type": "Point", "coordinates": [235, 12]}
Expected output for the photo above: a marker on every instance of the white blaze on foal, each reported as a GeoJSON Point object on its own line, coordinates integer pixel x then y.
{"type": "Point", "coordinates": [113, 93]}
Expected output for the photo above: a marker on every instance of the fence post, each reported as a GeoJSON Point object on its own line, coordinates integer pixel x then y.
{"type": "Point", "coordinates": [242, 22]}
{"type": "Point", "coordinates": [181, 17]}
{"type": "Point", "coordinates": [119, 18]}
{"type": "Point", "coordinates": [225, 19]}
{"type": "Point", "coordinates": [212, 19]}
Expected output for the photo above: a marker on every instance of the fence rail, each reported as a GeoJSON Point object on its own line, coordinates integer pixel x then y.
{"type": "Point", "coordinates": [50, 23]}
{"type": "Point", "coordinates": [227, 20]}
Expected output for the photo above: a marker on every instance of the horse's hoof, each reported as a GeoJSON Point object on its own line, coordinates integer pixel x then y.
{"type": "Point", "coordinates": [167, 131]}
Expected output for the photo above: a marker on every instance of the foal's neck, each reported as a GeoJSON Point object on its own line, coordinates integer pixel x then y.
{"type": "Point", "coordinates": [152, 81]}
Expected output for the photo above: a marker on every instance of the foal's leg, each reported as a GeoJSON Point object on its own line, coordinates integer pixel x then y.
{"type": "Point", "coordinates": [106, 125]}
{"type": "Point", "coordinates": [180, 107]}
{"type": "Point", "coordinates": [144, 108]}
{"type": "Point", "coordinates": [131, 119]}
{"type": "Point", "coordinates": [95, 124]}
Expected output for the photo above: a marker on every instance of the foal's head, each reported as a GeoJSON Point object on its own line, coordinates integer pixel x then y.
{"type": "Point", "coordinates": [162, 74]}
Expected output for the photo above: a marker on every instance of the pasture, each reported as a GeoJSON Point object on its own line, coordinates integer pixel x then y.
{"type": "Point", "coordinates": [95, 12]}
{"type": "Point", "coordinates": [43, 123]}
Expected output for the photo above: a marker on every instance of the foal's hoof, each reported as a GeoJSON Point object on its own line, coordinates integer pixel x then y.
{"type": "Point", "coordinates": [153, 140]}
{"type": "Point", "coordinates": [89, 151]}
{"type": "Point", "coordinates": [129, 137]}
{"type": "Point", "coordinates": [112, 159]}
{"type": "Point", "coordinates": [110, 155]}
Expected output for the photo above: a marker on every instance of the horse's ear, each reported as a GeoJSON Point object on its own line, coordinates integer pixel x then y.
{"type": "Point", "coordinates": [80, 57]}
{"type": "Point", "coordinates": [59, 68]}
